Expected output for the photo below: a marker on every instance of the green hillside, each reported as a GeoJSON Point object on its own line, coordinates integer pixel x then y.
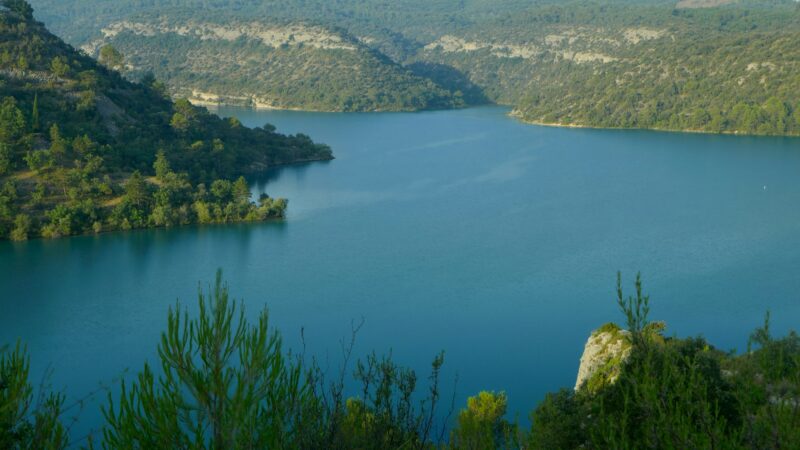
{"type": "Point", "coordinates": [268, 64]}
{"type": "Point", "coordinates": [84, 150]}
{"type": "Point", "coordinates": [711, 66]}
{"type": "Point", "coordinates": [726, 69]}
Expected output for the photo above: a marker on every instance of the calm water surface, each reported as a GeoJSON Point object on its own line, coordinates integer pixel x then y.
{"type": "Point", "coordinates": [463, 230]}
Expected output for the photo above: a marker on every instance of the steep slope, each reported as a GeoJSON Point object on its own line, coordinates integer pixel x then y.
{"type": "Point", "coordinates": [77, 141]}
{"type": "Point", "coordinates": [710, 66]}
{"type": "Point", "coordinates": [729, 69]}
{"type": "Point", "coordinates": [268, 64]}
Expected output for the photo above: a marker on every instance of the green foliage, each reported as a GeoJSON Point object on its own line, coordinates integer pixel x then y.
{"type": "Point", "coordinates": [59, 66]}
{"type": "Point", "coordinates": [20, 7]}
{"type": "Point", "coordinates": [635, 309]}
{"type": "Point", "coordinates": [39, 160]}
{"type": "Point", "coordinates": [73, 134]}
{"type": "Point", "coordinates": [12, 121]}
{"type": "Point", "coordinates": [22, 226]}
{"type": "Point", "coordinates": [626, 65]}
{"type": "Point", "coordinates": [8, 209]}
{"type": "Point", "coordinates": [295, 75]}
{"type": "Point", "coordinates": [605, 63]}
{"type": "Point", "coordinates": [161, 166]}
{"type": "Point", "coordinates": [25, 423]}
{"type": "Point", "coordinates": [384, 414]}
{"type": "Point", "coordinates": [681, 393]}
{"type": "Point", "coordinates": [224, 383]}
{"type": "Point", "coordinates": [111, 57]}
{"type": "Point", "coordinates": [179, 122]}
{"type": "Point", "coordinates": [58, 146]}
{"type": "Point", "coordinates": [558, 422]}
{"type": "Point", "coordinates": [227, 383]}
{"type": "Point", "coordinates": [6, 156]}
{"type": "Point", "coordinates": [482, 424]}
{"type": "Point", "coordinates": [729, 82]}
{"type": "Point", "coordinates": [767, 381]}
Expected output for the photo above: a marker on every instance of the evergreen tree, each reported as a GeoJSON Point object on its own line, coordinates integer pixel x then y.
{"type": "Point", "coordinates": [12, 121]}
{"type": "Point", "coordinates": [35, 114]}
{"type": "Point", "coordinates": [58, 146]}
{"type": "Point", "coordinates": [136, 190]}
{"type": "Point", "coordinates": [241, 191]}
{"type": "Point", "coordinates": [5, 158]}
{"type": "Point", "coordinates": [111, 57]}
{"type": "Point", "coordinates": [59, 66]}
{"type": "Point", "coordinates": [179, 122]}
{"type": "Point", "coordinates": [161, 166]}
{"type": "Point", "coordinates": [26, 422]}
{"type": "Point", "coordinates": [224, 384]}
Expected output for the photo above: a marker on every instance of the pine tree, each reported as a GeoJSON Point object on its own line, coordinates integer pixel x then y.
{"type": "Point", "coordinates": [58, 146]}
{"type": "Point", "coordinates": [222, 383]}
{"type": "Point", "coordinates": [35, 114]}
{"type": "Point", "coordinates": [111, 57]}
{"type": "Point", "coordinates": [136, 191]}
{"type": "Point", "coordinates": [161, 166]}
{"type": "Point", "coordinates": [241, 191]}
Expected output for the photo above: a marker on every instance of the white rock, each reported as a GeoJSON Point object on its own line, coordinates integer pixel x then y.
{"type": "Point", "coordinates": [605, 344]}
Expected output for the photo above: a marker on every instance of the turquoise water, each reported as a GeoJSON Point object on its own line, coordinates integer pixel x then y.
{"type": "Point", "coordinates": [462, 231]}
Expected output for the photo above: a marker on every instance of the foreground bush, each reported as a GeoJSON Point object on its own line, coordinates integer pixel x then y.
{"type": "Point", "coordinates": [682, 393]}
{"type": "Point", "coordinates": [226, 383]}
{"type": "Point", "coordinates": [27, 422]}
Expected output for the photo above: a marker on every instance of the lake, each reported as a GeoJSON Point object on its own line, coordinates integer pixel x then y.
{"type": "Point", "coordinates": [464, 231]}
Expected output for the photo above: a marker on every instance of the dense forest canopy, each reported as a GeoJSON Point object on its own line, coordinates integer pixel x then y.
{"type": "Point", "coordinates": [84, 150]}
{"type": "Point", "coordinates": [701, 65]}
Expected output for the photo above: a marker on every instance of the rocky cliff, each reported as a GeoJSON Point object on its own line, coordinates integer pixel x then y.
{"type": "Point", "coordinates": [268, 64]}
{"type": "Point", "coordinates": [605, 351]}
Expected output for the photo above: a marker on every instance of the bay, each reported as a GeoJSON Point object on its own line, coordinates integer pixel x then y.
{"type": "Point", "coordinates": [464, 231]}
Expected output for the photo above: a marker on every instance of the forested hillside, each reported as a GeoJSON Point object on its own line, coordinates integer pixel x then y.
{"type": "Point", "coordinates": [84, 150]}
{"type": "Point", "coordinates": [717, 70]}
{"type": "Point", "coordinates": [712, 66]}
{"type": "Point", "coordinates": [267, 64]}
{"type": "Point", "coordinates": [260, 55]}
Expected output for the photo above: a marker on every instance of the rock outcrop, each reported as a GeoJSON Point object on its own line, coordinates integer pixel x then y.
{"type": "Point", "coordinates": [696, 4]}
{"type": "Point", "coordinates": [271, 35]}
{"type": "Point", "coordinates": [605, 351]}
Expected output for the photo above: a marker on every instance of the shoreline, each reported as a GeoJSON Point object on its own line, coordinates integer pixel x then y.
{"type": "Point", "coordinates": [294, 163]}
{"type": "Point", "coordinates": [90, 234]}
{"type": "Point", "coordinates": [192, 224]}
{"type": "Point", "coordinates": [515, 115]}
{"type": "Point", "coordinates": [253, 106]}
{"type": "Point", "coordinates": [260, 106]}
